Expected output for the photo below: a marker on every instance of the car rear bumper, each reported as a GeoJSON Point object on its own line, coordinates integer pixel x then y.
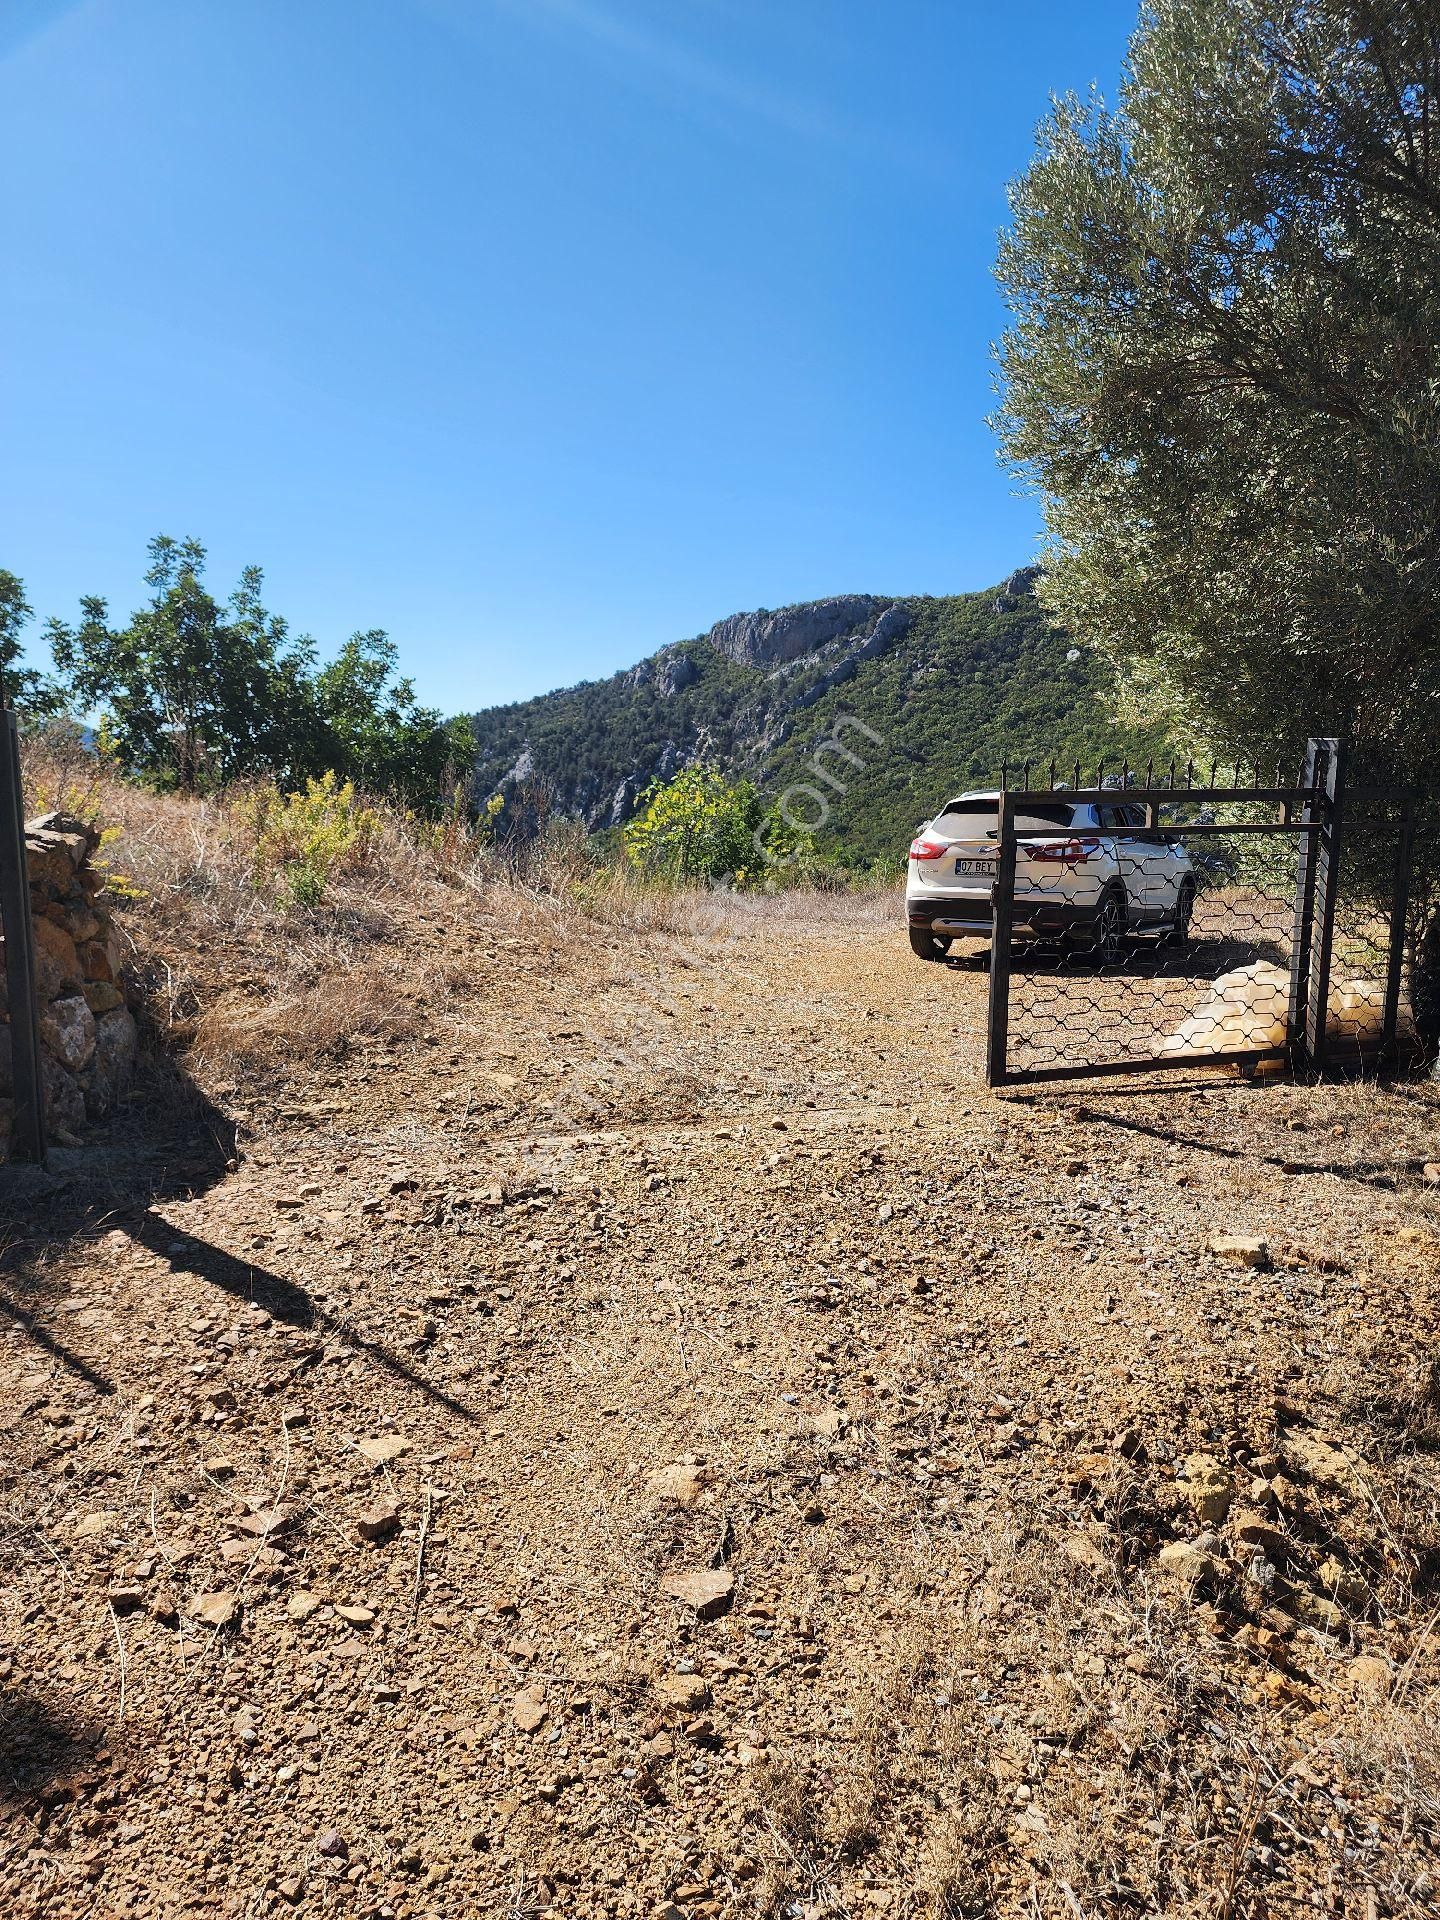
{"type": "Point", "coordinates": [970, 919]}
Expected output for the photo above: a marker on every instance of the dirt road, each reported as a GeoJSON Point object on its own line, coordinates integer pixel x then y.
{"type": "Point", "coordinates": [660, 1438]}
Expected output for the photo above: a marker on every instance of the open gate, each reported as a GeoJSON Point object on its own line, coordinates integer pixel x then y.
{"type": "Point", "coordinates": [1177, 924]}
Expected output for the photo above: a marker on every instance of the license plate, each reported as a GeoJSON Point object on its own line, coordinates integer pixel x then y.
{"type": "Point", "coordinates": [974, 869]}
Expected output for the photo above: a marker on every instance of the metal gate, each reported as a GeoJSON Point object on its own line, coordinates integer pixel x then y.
{"type": "Point", "coordinates": [1140, 924]}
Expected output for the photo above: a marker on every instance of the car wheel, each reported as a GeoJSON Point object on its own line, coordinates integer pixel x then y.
{"type": "Point", "coordinates": [1178, 932]}
{"type": "Point", "coordinates": [1105, 934]}
{"type": "Point", "coordinates": [927, 945]}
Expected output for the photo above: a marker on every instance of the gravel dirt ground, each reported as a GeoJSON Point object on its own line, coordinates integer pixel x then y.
{"type": "Point", "coordinates": [654, 1436]}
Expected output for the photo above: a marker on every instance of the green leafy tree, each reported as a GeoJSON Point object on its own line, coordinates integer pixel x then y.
{"type": "Point", "coordinates": [697, 827]}
{"type": "Point", "coordinates": [27, 689]}
{"type": "Point", "coordinates": [1222, 372]}
{"type": "Point", "coordinates": [286, 737]}
{"type": "Point", "coordinates": [373, 731]}
{"type": "Point", "coordinates": [193, 693]}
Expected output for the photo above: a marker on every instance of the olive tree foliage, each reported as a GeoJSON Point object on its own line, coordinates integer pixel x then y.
{"type": "Point", "coordinates": [1222, 372]}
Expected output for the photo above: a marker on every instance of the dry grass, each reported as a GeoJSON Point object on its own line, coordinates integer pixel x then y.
{"type": "Point", "coordinates": [1148, 1773]}
{"type": "Point", "coordinates": [230, 972]}
{"type": "Point", "coordinates": [238, 977]}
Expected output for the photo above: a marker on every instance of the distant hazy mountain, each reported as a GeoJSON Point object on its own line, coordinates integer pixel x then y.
{"type": "Point", "coordinates": [949, 687]}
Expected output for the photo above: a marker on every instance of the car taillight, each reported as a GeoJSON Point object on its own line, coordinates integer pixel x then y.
{"type": "Point", "coordinates": [1072, 852]}
{"type": "Point", "coordinates": [923, 849]}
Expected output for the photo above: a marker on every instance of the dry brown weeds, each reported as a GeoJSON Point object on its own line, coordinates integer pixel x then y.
{"type": "Point", "coordinates": [239, 978]}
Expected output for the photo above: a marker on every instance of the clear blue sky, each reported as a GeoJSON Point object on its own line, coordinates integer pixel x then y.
{"type": "Point", "coordinates": [539, 332]}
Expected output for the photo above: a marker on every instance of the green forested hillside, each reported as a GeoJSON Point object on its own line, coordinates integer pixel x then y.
{"type": "Point", "coordinates": [965, 691]}
{"type": "Point", "coordinates": [951, 686]}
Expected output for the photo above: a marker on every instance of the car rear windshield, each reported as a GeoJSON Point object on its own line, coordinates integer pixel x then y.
{"type": "Point", "coordinates": [964, 817]}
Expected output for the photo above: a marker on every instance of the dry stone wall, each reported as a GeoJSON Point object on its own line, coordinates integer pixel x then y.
{"type": "Point", "coordinates": [88, 1039]}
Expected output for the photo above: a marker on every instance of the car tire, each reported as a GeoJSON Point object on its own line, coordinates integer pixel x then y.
{"type": "Point", "coordinates": [1178, 931]}
{"type": "Point", "coordinates": [927, 945]}
{"type": "Point", "coordinates": [1109, 926]}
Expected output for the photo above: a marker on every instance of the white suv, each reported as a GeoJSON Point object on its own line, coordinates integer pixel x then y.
{"type": "Point", "coordinates": [1102, 873]}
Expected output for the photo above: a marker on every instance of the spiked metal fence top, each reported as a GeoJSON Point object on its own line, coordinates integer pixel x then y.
{"type": "Point", "coordinates": [1055, 779]}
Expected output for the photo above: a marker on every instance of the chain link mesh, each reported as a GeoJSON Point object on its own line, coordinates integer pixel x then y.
{"type": "Point", "coordinates": [1134, 945]}
{"type": "Point", "coordinates": [1368, 897]}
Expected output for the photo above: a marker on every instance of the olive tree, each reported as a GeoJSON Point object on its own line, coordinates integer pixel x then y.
{"type": "Point", "coordinates": [1222, 372]}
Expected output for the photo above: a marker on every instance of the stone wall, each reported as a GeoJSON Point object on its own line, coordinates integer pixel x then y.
{"type": "Point", "coordinates": [88, 1039]}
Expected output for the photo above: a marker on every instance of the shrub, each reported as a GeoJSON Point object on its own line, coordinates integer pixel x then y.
{"type": "Point", "coordinates": [302, 839]}
{"type": "Point", "coordinates": [698, 826]}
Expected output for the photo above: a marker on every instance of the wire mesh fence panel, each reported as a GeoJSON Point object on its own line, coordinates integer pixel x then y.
{"type": "Point", "coordinates": [1367, 1004]}
{"type": "Point", "coordinates": [1135, 943]}
{"type": "Point", "coordinates": [1139, 924]}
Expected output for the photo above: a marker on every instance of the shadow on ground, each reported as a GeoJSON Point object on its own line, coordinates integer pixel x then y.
{"type": "Point", "coordinates": [1390, 1174]}
{"type": "Point", "coordinates": [285, 1299]}
{"type": "Point", "coordinates": [44, 1746]}
{"type": "Point", "coordinates": [170, 1142]}
{"type": "Point", "coordinates": [1140, 957]}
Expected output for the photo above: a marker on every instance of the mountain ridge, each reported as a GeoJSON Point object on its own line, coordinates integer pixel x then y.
{"type": "Point", "coordinates": [938, 691]}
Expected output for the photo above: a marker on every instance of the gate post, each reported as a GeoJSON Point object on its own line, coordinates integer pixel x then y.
{"type": "Point", "coordinates": [1002, 918]}
{"type": "Point", "coordinates": [1327, 890]}
{"type": "Point", "coordinates": [1296, 1017]}
{"type": "Point", "coordinates": [27, 1137]}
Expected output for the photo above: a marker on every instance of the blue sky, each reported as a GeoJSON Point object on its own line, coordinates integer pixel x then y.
{"type": "Point", "coordinates": [539, 332]}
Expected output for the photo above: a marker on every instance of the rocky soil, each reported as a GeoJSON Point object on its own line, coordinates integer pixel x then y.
{"type": "Point", "coordinates": [655, 1437]}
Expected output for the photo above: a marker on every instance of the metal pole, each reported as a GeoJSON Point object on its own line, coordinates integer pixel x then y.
{"type": "Point", "coordinates": [1296, 1029]}
{"type": "Point", "coordinates": [27, 1135]}
{"type": "Point", "coordinates": [1002, 916]}
{"type": "Point", "coordinates": [1399, 915]}
{"type": "Point", "coordinates": [1327, 883]}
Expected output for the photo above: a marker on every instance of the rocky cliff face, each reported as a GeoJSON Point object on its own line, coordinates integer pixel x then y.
{"type": "Point", "coordinates": [766, 640]}
{"type": "Point", "coordinates": [669, 672]}
{"type": "Point", "coordinates": [731, 694]}
{"type": "Point", "coordinates": [894, 621]}
{"type": "Point", "coordinates": [1021, 582]}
